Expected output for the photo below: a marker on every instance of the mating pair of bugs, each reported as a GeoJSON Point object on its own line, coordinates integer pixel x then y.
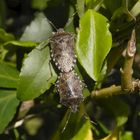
{"type": "Point", "coordinates": [68, 84]}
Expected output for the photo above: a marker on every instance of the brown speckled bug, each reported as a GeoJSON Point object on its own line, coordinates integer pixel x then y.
{"type": "Point", "coordinates": [62, 50]}
{"type": "Point", "coordinates": [68, 84]}
{"type": "Point", "coordinates": [70, 90]}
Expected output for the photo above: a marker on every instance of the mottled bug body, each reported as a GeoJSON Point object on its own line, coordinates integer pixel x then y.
{"type": "Point", "coordinates": [62, 50]}
{"type": "Point", "coordinates": [70, 89]}
{"type": "Point", "coordinates": [68, 84]}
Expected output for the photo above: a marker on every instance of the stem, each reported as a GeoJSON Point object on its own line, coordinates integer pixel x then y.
{"type": "Point", "coordinates": [126, 71]}
{"type": "Point", "coordinates": [109, 91]}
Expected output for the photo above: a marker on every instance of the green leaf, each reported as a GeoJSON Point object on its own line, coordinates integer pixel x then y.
{"type": "Point", "coordinates": [4, 36]}
{"type": "Point", "coordinates": [127, 135]}
{"type": "Point", "coordinates": [33, 125]}
{"type": "Point", "coordinates": [2, 13]}
{"type": "Point", "coordinates": [136, 9]}
{"type": "Point", "coordinates": [123, 9]}
{"type": "Point", "coordinates": [80, 7]}
{"type": "Point", "coordinates": [113, 136]}
{"type": "Point", "coordinates": [118, 13]}
{"type": "Point", "coordinates": [70, 22]}
{"type": "Point", "coordinates": [112, 5]}
{"type": "Point", "coordinates": [93, 4]}
{"type": "Point", "coordinates": [84, 133]}
{"type": "Point", "coordinates": [19, 43]}
{"type": "Point", "coordinates": [39, 4]}
{"type": "Point", "coordinates": [3, 52]}
{"type": "Point", "coordinates": [116, 107]}
{"type": "Point", "coordinates": [35, 76]}
{"type": "Point", "coordinates": [121, 113]}
{"type": "Point", "coordinates": [8, 105]}
{"type": "Point", "coordinates": [39, 29]}
{"type": "Point", "coordinates": [74, 126]}
{"type": "Point", "coordinates": [8, 76]}
{"type": "Point", "coordinates": [102, 76]}
{"type": "Point", "coordinates": [93, 43]}
{"type": "Point", "coordinates": [89, 3]}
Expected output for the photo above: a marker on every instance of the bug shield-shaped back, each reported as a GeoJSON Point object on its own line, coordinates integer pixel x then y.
{"type": "Point", "coordinates": [70, 89]}
{"type": "Point", "coordinates": [62, 50]}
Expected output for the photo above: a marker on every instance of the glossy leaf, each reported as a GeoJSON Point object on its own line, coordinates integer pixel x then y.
{"type": "Point", "coordinates": [39, 29]}
{"type": "Point", "coordinates": [121, 113]}
{"type": "Point", "coordinates": [136, 9]}
{"type": "Point", "coordinates": [89, 3]}
{"type": "Point", "coordinates": [121, 10]}
{"type": "Point", "coordinates": [112, 5]}
{"type": "Point", "coordinates": [33, 125]}
{"type": "Point", "coordinates": [8, 105]}
{"type": "Point", "coordinates": [113, 136]}
{"type": "Point", "coordinates": [80, 6]}
{"type": "Point", "coordinates": [96, 4]}
{"type": "Point", "coordinates": [93, 43]}
{"type": "Point", "coordinates": [84, 132]}
{"type": "Point", "coordinates": [4, 36]}
{"type": "Point", "coordinates": [19, 43]}
{"type": "Point", "coordinates": [35, 76]}
{"type": "Point", "coordinates": [117, 108]}
{"type": "Point", "coordinates": [127, 135]}
{"type": "Point", "coordinates": [8, 76]}
{"type": "Point", "coordinates": [74, 127]}
{"type": "Point", "coordinates": [39, 4]}
{"type": "Point", "coordinates": [69, 27]}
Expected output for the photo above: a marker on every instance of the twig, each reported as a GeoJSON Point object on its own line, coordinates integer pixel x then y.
{"type": "Point", "coordinates": [109, 91]}
{"type": "Point", "coordinates": [115, 90]}
{"type": "Point", "coordinates": [126, 71]}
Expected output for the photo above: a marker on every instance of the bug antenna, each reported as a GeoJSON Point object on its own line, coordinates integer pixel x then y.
{"type": "Point", "coordinates": [70, 19]}
{"type": "Point", "coordinates": [52, 25]}
{"type": "Point", "coordinates": [67, 121]}
{"type": "Point", "coordinates": [87, 118]}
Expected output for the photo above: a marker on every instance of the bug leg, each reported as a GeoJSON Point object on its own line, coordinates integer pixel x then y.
{"type": "Point", "coordinates": [50, 69]}
{"type": "Point", "coordinates": [87, 118]}
{"type": "Point", "coordinates": [67, 120]}
{"type": "Point", "coordinates": [42, 45]}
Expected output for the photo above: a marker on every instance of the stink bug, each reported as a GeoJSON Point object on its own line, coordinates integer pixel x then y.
{"type": "Point", "coordinates": [70, 89]}
{"type": "Point", "coordinates": [62, 50]}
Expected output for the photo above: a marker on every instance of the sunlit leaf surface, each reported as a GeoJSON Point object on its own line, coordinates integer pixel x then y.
{"type": "Point", "coordinates": [37, 74]}
{"type": "Point", "coordinates": [93, 42]}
